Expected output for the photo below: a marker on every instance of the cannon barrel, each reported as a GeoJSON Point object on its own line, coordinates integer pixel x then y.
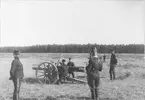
{"type": "Point", "coordinates": [77, 69]}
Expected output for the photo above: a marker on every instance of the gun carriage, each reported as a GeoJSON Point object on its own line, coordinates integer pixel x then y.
{"type": "Point", "coordinates": [47, 72]}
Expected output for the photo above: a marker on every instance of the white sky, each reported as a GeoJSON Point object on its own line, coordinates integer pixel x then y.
{"type": "Point", "coordinates": [31, 22]}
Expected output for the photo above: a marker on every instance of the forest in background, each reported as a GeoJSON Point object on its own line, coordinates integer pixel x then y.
{"type": "Point", "coordinates": [76, 48]}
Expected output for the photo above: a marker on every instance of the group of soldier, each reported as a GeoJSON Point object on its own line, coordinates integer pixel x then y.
{"type": "Point", "coordinates": [93, 68]}
{"type": "Point", "coordinates": [64, 70]}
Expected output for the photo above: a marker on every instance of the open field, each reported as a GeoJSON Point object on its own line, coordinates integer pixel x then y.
{"type": "Point", "coordinates": [129, 85]}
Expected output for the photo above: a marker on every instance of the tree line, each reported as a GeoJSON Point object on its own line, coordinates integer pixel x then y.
{"type": "Point", "coordinates": [76, 48]}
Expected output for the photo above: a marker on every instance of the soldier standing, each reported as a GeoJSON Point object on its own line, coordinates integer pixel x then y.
{"type": "Point", "coordinates": [93, 76]}
{"type": "Point", "coordinates": [113, 63]}
{"type": "Point", "coordinates": [65, 70]}
{"type": "Point", "coordinates": [16, 74]}
{"type": "Point", "coordinates": [104, 57]}
{"type": "Point", "coordinates": [70, 65]}
{"type": "Point", "coordinates": [62, 69]}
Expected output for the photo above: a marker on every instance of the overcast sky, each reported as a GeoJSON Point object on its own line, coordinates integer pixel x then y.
{"type": "Point", "coordinates": [31, 22]}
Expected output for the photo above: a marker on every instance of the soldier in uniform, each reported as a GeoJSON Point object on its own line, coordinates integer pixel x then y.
{"type": "Point", "coordinates": [65, 70]}
{"type": "Point", "coordinates": [16, 74]}
{"type": "Point", "coordinates": [104, 57]}
{"type": "Point", "coordinates": [62, 69]}
{"type": "Point", "coordinates": [70, 65]}
{"type": "Point", "coordinates": [93, 76]}
{"type": "Point", "coordinates": [113, 63]}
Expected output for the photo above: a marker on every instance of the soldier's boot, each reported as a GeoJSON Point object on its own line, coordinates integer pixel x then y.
{"type": "Point", "coordinates": [113, 74]}
{"type": "Point", "coordinates": [96, 94]}
{"type": "Point", "coordinates": [14, 97]}
{"type": "Point", "coordinates": [92, 94]}
{"type": "Point", "coordinates": [110, 75]}
{"type": "Point", "coordinates": [17, 96]}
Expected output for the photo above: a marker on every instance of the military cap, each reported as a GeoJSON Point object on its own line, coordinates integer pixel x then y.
{"type": "Point", "coordinates": [16, 52]}
{"type": "Point", "coordinates": [63, 60]}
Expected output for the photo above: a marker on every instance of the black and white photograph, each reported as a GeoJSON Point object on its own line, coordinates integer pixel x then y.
{"type": "Point", "coordinates": [72, 50]}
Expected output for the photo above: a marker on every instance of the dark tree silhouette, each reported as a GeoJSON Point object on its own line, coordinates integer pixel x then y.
{"type": "Point", "coordinates": [76, 48]}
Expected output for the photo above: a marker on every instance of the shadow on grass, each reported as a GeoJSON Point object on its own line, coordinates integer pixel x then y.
{"type": "Point", "coordinates": [88, 98]}
{"type": "Point", "coordinates": [51, 98]}
{"type": "Point", "coordinates": [28, 99]}
{"type": "Point", "coordinates": [127, 74]}
{"type": "Point", "coordinates": [35, 81]}
{"type": "Point", "coordinates": [47, 98]}
{"type": "Point", "coordinates": [31, 80]}
{"type": "Point", "coordinates": [65, 97]}
{"type": "Point", "coordinates": [68, 97]}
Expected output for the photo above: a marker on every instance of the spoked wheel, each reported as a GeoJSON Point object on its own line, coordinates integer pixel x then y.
{"type": "Point", "coordinates": [47, 73]}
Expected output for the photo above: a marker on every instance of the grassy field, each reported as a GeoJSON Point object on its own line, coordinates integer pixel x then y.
{"type": "Point", "coordinates": [129, 84]}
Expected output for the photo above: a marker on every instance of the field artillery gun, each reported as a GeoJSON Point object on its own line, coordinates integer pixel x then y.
{"type": "Point", "coordinates": [47, 72]}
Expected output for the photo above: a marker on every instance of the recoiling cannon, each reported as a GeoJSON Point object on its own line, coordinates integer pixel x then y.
{"type": "Point", "coordinates": [47, 72]}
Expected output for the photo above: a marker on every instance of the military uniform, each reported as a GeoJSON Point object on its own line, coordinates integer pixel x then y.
{"type": "Point", "coordinates": [113, 63]}
{"type": "Point", "coordinates": [16, 75]}
{"type": "Point", "coordinates": [104, 57]}
{"type": "Point", "coordinates": [93, 76]}
{"type": "Point", "coordinates": [63, 71]}
{"type": "Point", "coordinates": [70, 65]}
